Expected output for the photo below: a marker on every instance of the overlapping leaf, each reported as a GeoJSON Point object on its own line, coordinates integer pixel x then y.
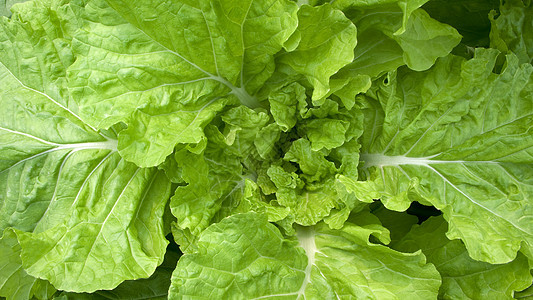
{"type": "Point", "coordinates": [457, 137]}
{"type": "Point", "coordinates": [250, 110]}
{"type": "Point", "coordinates": [395, 33]}
{"type": "Point", "coordinates": [254, 261]}
{"type": "Point", "coordinates": [463, 277]}
{"type": "Point", "coordinates": [5, 6]}
{"type": "Point", "coordinates": [155, 287]}
{"type": "Point", "coordinates": [85, 218]}
{"type": "Point", "coordinates": [15, 283]}
{"type": "Point", "coordinates": [325, 43]}
{"type": "Point", "coordinates": [470, 18]}
{"type": "Point", "coordinates": [512, 29]}
{"type": "Point", "coordinates": [175, 64]}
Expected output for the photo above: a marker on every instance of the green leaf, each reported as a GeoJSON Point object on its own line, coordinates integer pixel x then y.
{"type": "Point", "coordinates": [5, 7]}
{"type": "Point", "coordinates": [241, 257]}
{"type": "Point", "coordinates": [254, 201]}
{"type": "Point", "coordinates": [304, 179]}
{"type": "Point", "coordinates": [326, 42]}
{"type": "Point", "coordinates": [294, 134]}
{"type": "Point", "coordinates": [113, 233]}
{"type": "Point", "coordinates": [216, 176]}
{"type": "Point", "coordinates": [245, 257]}
{"type": "Point", "coordinates": [285, 105]}
{"type": "Point", "coordinates": [395, 33]}
{"type": "Point", "coordinates": [512, 30]}
{"type": "Point", "coordinates": [210, 183]}
{"type": "Point", "coordinates": [456, 137]}
{"type": "Point", "coordinates": [153, 132]}
{"type": "Point", "coordinates": [241, 129]}
{"type": "Point", "coordinates": [15, 283]}
{"type": "Point", "coordinates": [82, 211]}
{"type": "Point", "coordinates": [463, 277]}
{"type": "Point", "coordinates": [403, 7]}
{"type": "Point", "coordinates": [398, 223]}
{"type": "Point", "coordinates": [326, 133]}
{"type": "Point", "coordinates": [41, 136]}
{"type": "Point", "coordinates": [311, 204]}
{"type": "Point", "coordinates": [310, 195]}
{"type": "Point", "coordinates": [313, 164]}
{"type": "Point", "coordinates": [44, 145]}
{"type": "Point", "coordinates": [175, 65]}
{"type": "Point", "coordinates": [36, 55]}
{"type": "Point", "coordinates": [344, 264]}
{"type": "Point", "coordinates": [172, 170]}
{"type": "Point", "coordinates": [347, 86]}
{"type": "Point", "coordinates": [470, 18]}
{"type": "Point", "coordinates": [525, 294]}
{"type": "Point", "coordinates": [425, 40]}
{"type": "Point", "coordinates": [155, 287]}
{"type": "Point", "coordinates": [266, 141]}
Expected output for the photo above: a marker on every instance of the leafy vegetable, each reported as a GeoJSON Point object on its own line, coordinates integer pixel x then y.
{"type": "Point", "coordinates": [512, 29]}
{"type": "Point", "coordinates": [468, 17]}
{"type": "Point", "coordinates": [17, 284]}
{"type": "Point", "coordinates": [463, 277]}
{"type": "Point", "coordinates": [5, 6]}
{"type": "Point", "coordinates": [266, 149]}
{"type": "Point", "coordinates": [267, 265]}
{"type": "Point", "coordinates": [426, 142]}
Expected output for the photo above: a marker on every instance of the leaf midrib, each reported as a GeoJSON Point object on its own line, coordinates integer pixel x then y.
{"type": "Point", "coordinates": [107, 145]}
{"type": "Point", "coordinates": [240, 92]}
{"type": "Point", "coordinates": [380, 160]}
{"type": "Point", "coordinates": [61, 106]}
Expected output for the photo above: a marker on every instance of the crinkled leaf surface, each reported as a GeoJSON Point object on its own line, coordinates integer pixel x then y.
{"type": "Point", "coordinates": [326, 40]}
{"type": "Point", "coordinates": [15, 283]}
{"type": "Point", "coordinates": [175, 64]}
{"type": "Point", "coordinates": [155, 287]}
{"type": "Point", "coordinates": [311, 195]}
{"type": "Point", "coordinates": [5, 6]}
{"type": "Point", "coordinates": [37, 129]}
{"type": "Point", "coordinates": [343, 264]}
{"type": "Point", "coordinates": [216, 177]}
{"type": "Point", "coordinates": [249, 108]}
{"type": "Point", "coordinates": [245, 257]}
{"type": "Point", "coordinates": [402, 7]}
{"type": "Point", "coordinates": [328, 147]}
{"type": "Point", "coordinates": [457, 137]}
{"type": "Point", "coordinates": [395, 33]}
{"type": "Point", "coordinates": [512, 29]}
{"type": "Point", "coordinates": [210, 184]}
{"type": "Point", "coordinates": [285, 105]}
{"type": "Point", "coordinates": [463, 277]}
{"type": "Point", "coordinates": [87, 219]}
{"type": "Point", "coordinates": [244, 146]}
{"type": "Point", "coordinates": [241, 257]}
{"type": "Point", "coordinates": [111, 233]}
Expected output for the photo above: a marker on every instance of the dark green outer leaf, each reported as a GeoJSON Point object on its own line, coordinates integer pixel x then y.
{"type": "Point", "coordinates": [512, 29]}
{"type": "Point", "coordinates": [463, 277]}
{"type": "Point", "coordinates": [470, 18]}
